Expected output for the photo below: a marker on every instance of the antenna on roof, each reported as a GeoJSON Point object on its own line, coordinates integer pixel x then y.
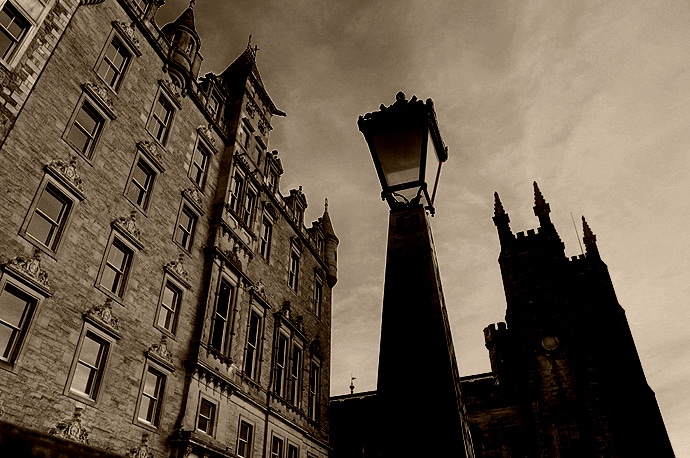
{"type": "Point", "coordinates": [576, 234]}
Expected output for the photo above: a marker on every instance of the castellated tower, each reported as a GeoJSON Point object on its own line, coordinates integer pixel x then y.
{"type": "Point", "coordinates": [565, 380]}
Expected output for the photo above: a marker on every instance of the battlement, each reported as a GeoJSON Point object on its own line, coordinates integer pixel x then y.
{"type": "Point", "coordinates": [494, 332]}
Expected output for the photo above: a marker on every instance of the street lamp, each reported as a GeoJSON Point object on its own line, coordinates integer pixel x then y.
{"type": "Point", "coordinates": [400, 138]}
{"type": "Point", "coordinates": [418, 385]}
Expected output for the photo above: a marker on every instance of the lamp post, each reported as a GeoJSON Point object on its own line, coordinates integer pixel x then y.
{"type": "Point", "coordinates": [418, 387]}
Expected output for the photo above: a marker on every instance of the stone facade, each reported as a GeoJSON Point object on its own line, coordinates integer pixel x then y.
{"type": "Point", "coordinates": [153, 274]}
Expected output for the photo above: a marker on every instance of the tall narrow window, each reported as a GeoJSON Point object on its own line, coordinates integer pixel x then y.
{"type": "Point", "coordinates": [184, 231]}
{"type": "Point", "coordinates": [314, 390]}
{"type": "Point", "coordinates": [140, 184]}
{"type": "Point", "coordinates": [114, 63]}
{"type": "Point", "coordinates": [151, 397]}
{"type": "Point", "coordinates": [13, 28]}
{"type": "Point", "coordinates": [265, 240]}
{"type": "Point", "coordinates": [221, 317]}
{"type": "Point", "coordinates": [249, 202]}
{"type": "Point", "coordinates": [295, 375]}
{"type": "Point", "coordinates": [49, 217]}
{"type": "Point", "coordinates": [206, 418]}
{"type": "Point", "coordinates": [277, 447]}
{"type": "Point", "coordinates": [244, 440]}
{"type": "Point", "coordinates": [160, 119]}
{"type": "Point", "coordinates": [292, 451]}
{"type": "Point", "coordinates": [293, 272]}
{"type": "Point", "coordinates": [116, 270]}
{"type": "Point", "coordinates": [169, 306]}
{"type": "Point", "coordinates": [141, 5]}
{"type": "Point", "coordinates": [213, 105]}
{"type": "Point", "coordinates": [90, 365]}
{"type": "Point", "coordinates": [252, 350]}
{"type": "Point", "coordinates": [16, 309]}
{"type": "Point", "coordinates": [198, 169]}
{"type": "Point", "coordinates": [85, 129]}
{"type": "Point", "coordinates": [236, 191]}
{"type": "Point", "coordinates": [281, 365]}
{"type": "Point", "coordinates": [318, 296]}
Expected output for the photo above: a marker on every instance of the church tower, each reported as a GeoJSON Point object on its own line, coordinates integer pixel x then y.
{"type": "Point", "coordinates": [566, 379]}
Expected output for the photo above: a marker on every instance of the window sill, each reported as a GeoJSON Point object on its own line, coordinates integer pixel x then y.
{"type": "Point", "coordinates": [80, 153]}
{"type": "Point", "coordinates": [80, 397]}
{"type": "Point", "coordinates": [138, 207]}
{"type": "Point", "coordinates": [39, 246]}
{"type": "Point", "coordinates": [145, 425]}
{"type": "Point", "coordinates": [169, 334]}
{"type": "Point", "coordinates": [117, 299]}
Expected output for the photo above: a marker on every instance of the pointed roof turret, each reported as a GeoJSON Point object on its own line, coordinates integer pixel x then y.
{"type": "Point", "coordinates": [541, 207]}
{"type": "Point", "coordinates": [331, 250]}
{"type": "Point", "coordinates": [589, 239]}
{"type": "Point", "coordinates": [184, 60]}
{"type": "Point", "coordinates": [186, 19]}
{"type": "Point", "coordinates": [244, 68]}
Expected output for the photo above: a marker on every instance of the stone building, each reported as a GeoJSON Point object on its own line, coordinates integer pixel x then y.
{"type": "Point", "coordinates": [565, 380]}
{"type": "Point", "coordinates": [159, 295]}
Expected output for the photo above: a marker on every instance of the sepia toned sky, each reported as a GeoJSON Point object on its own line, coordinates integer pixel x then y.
{"type": "Point", "coordinates": [591, 99]}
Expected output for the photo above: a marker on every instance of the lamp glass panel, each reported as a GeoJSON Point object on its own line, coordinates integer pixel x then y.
{"type": "Point", "coordinates": [399, 154]}
{"type": "Point", "coordinates": [432, 163]}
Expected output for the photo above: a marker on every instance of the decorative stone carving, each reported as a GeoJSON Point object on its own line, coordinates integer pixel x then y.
{"type": "Point", "coordinates": [207, 133]}
{"type": "Point", "coordinates": [250, 108]}
{"type": "Point", "coordinates": [286, 310]}
{"type": "Point", "coordinates": [128, 30]}
{"type": "Point", "coordinates": [194, 196]}
{"type": "Point", "coordinates": [264, 127]}
{"type": "Point", "coordinates": [30, 268]}
{"type": "Point", "coordinates": [142, 450]}
{"type": "Point", "coordinates": [128, 227]}
{"type": "Point", "coordinates": [173, 91]}
{"type": "Point", "coordinates": [160, 351]}
{"type": "Point", "coordinates": [233, 257]}
{"type": "Point", "coordinates": [101, 95]}
{"type": "Point", "coordinates": [71, 429]}
{"type": "Point", "coordinates": [315, 347]}
{"type": "Point", "coordinates": [153, 153]}
{"type": "Point", "coordinates": [259, 289]}
{"type": "Point", "coordinates": [67, 173]}
{"type": "Point", "coordinates": [177, 269]}
{"type": "Point", "coordinates": [103, 315]}
{"type": "Point", "coordinates": [299, 323]}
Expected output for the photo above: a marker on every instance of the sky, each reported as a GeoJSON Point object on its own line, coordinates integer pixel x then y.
{"type": "Point", "coordinates": [590, 99]}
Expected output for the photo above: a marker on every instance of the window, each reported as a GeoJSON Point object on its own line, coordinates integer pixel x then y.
{"type": "Point", "coordinates": [85, 129]}
{"type": "Point", "coordinates": [113, 63]}
{"type": "Point", "coordinates": [140, 184]}
{"type": "Point", "coordinates": [221, 317]}
{"type": "Point", "coordinates": [169, 306]}
{"type": "Point", "coordinates": [292, 451]}
{"type": "Point", "coordinates": [249, 202]}
{"type": "Point", "coordinates": [16, 310]}
{"type": "Point", "coordinates": [114, 273]}
{"type": "Point", "coordinates": [141, 4]}
{"type": "Point", "coordinates": [49, 216]}
{"type": "Point", "coordinates": [314, 390]}
{"type": "Point", "coordinates": [90, 359]}
{"type": "Point", "coordinates": [151, 397]}
{"type": "Point", "coordinates": [244, 440]}
{"type": "Point", "coordinates": [319, 243]}
{"type": "Point", "coordinates": [293, 272]}
{"type": "Point", "coordinates": [251, 354]}
{"type": "Point", "coordinates": [265, 239]}
{"type": "Point", "coordinates": [276, 447]}
{"type": "Point", "coordinates": [271, 181]}
{"type": "Point", "coordinates": [318, 296]}
{"type": "Point", "coordinates": [199, 166]}
{"type": "Point", "coordinates": [206, 417]}
{"type": "Point", "coordinates": [213, 105]}
{"type": "Point", "coordinates": [281, 365]}
{"type": "Point", "coordinates": [246, 137]}
{"type": "Point", "coordinates": [13, 28]}
{"type": "Point", "coordinates": [184, 231]}
{"type": "Point", "coordinates": [295, 375]}
{"type": "Point", "coordinates": [236, 191]}
{"type": "Point", "coordinates": [160, 118]}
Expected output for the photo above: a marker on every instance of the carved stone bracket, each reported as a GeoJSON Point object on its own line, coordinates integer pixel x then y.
{"type": "Point", "coordinates": [100, 95]}
{"type": "Point", "coordinates": [176, 269]}
{"type": "Point", "coordinates": [161, 354]}
{"type": "Point", "coordinates": [233, 258]}
{"type": "Point", "coordinates": [127, 226]}
{"type": "Point", "coordinates": [30, 271]}
{"type": "Point", "coordinates": [128, 32]}
{"type": "Point", "coordinates": [71, 428]}
{"type": "Point", "coordinates": [152, 153]}
{"type": "Point", "coordinates": [102, 316]}
{"type": "Point", "coordinates": [142, 450]}
{"type": "Point", "coordinates": [194, 197]}
{"type": "Point", "coordinates": [67, 174]}
{"type": "Point", "coordinates": [315, 347]}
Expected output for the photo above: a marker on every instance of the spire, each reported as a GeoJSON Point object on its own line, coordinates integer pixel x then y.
{"type": "Point", "coordinates": [589, 239]}
{"type": "Point", "coordinates": [541, 208]}
{"type": "Point", "coordinates": [331, 248]}
{"type": "Point", "coordinates": [186, 19]}
{"type": "Point", "coordinates": [501, 221]}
